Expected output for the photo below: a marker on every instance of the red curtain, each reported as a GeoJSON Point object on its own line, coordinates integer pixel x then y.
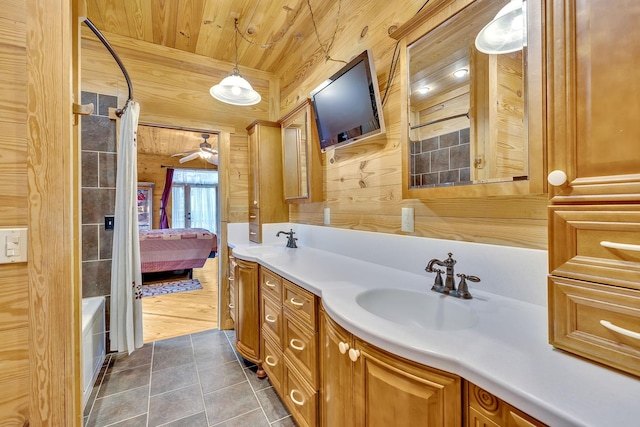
{"type": "Point", "coordinates": [164, 221]}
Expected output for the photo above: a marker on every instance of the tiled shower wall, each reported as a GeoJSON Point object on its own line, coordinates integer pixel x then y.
{"type": "Point", "coordinates": [442, 159]}
{"type": "Point", "coordinates": [98, 144]}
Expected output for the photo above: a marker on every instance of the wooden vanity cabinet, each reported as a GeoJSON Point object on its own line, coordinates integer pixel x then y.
{"type": "Point", "coordinates": [486, 410]}
{"type": "Point", "coordinates": [247, 312]}
{"type": "Point", "coordinates": [594, 220]}
{"type": "Point", "coordinates": [231, 291]}
{"type": "Point", "coordinates": [365, 386]}
{"type": "Point", "coordinates": [289, 344]}
{"type": "Point", "coordinates": [266, 197]}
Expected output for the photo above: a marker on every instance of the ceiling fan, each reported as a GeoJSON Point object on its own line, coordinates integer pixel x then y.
{"type": "Point", "coordinates": [204, 151]}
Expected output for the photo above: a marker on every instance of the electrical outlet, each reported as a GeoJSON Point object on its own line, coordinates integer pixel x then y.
{"type": "Point", "coordinates": [407, 219]}
{"type": "Point", "coordinates": [327, 216]}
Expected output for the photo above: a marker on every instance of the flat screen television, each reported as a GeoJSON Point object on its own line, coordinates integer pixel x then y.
{"type": "Point", "coordinates": [347, 106]}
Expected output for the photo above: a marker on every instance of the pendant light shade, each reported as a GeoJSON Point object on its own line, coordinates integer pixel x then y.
{"type": "Point", "coordinates": [234, 89]}
{"type": "Point", "coordinates": [506, 32]}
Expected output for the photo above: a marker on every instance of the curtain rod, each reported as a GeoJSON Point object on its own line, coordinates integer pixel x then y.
{"type": "Point", "coordinates": [113, 53]}
{"type": "Point", "coordinates": [457, 116]}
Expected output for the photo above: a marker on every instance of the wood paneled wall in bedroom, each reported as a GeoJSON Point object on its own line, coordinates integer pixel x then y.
{"type": "Point", "coordinates": [363, 187]}
{"type": "Point", "coordinates": [14, 355]}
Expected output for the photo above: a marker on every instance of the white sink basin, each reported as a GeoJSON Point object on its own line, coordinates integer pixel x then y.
{"type": "Point", "coordinates": [421, 309]}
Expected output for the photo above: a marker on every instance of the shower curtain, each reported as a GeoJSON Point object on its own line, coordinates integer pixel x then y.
{"type": "Point", "coordinates": [126, 277]}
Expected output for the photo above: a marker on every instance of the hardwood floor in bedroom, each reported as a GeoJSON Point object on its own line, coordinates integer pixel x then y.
{"type": "Point", "coordinates": [183, 313]}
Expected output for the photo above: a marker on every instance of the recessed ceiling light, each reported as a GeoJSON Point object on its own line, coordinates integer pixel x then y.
{"type": "Point", "coordinates": [460, 73]}
{"type": "Point", "coordinates": [423, 90]}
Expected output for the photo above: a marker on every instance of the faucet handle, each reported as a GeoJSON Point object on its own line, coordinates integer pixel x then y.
{"type": "Point", "coordinates": [438, 286]}
{"type": "Point", "coordinates": [463, 289]}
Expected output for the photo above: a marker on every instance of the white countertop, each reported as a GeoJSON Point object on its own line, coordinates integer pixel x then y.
{"type": "Point", "coordinates": [506, 351]}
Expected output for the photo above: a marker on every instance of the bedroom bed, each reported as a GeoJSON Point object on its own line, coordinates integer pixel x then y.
{"type": "Point", "coordinates": [176, 249]}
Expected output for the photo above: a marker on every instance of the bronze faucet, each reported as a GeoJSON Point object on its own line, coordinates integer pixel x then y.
{"type": "Point", "coordinates": [291, 241]}
{"type": "Point", "coordinates": [449, 287]}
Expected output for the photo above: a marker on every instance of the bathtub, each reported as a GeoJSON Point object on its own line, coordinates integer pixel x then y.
{"type": "Point", "coordinates": [93, 343]}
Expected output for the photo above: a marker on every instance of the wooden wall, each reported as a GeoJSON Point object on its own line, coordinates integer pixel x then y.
{"type": "Point", "coordinates": [363, 187]}
{"type": "Point", "coordinates": [14, 356]}
{"type": "Point", "coordinates": [172, 88]}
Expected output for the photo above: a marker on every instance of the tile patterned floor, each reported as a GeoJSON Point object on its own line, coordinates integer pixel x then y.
{"type": "Point", "coordinates": [190, 381]}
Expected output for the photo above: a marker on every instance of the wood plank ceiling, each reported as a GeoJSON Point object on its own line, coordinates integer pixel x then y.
{"type": "Point", "coordinates": [206, 27]}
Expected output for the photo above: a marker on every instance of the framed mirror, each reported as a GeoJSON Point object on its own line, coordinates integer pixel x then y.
{"type": "Point", "coordinates": [468, 111]}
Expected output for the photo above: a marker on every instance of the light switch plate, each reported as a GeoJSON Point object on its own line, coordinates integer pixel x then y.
{"type": "Point", "coordinates": [13, 245]}
{"type": "Point", "coordinates": [327, 216]}
{"type": "Point", "coordinates": [407, 219]}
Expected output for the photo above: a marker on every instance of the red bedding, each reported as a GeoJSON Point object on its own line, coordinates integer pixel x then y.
{"type": "Point", "coordinates": [175, 248]}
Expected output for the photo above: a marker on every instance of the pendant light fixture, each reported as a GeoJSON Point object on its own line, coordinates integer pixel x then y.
{"type": "Point", "coordinates": [506, 32]}
{"type": "Point", "coordinates": [234, 89]}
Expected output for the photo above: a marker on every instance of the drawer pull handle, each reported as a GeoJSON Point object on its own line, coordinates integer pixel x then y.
{"type": "Point", "coordinates": [623, 246]}
{"type": "Point", "coordinates": [269, 361]}
{"type": "Point", "coordinates": [294, 400]}
{"type": "Point", "coordinates": [269, 284]}
{"type": "Point", "coordinates": [343, 347]}
{"type": "Point", "coordinates": [354, 354]}
{"type": "Point", "coordinates": [296, 303]}
{"type": "Point", "coordinates": [231, 279]}
{"type": "Point", "coordinates": [252, 217]}
{"type": "Point", "coordinates": [253, 233]}
{"type": "Point", "coordinates": [231, 306]}
{"type": "Point", "coordinates": [295, 346]}
{"type": "Point", "coordinates": [271, 319]}
{"type": "Point", "coordinates": [618, 329]}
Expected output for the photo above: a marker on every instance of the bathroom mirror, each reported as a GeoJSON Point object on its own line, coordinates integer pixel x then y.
{"type": "Point", "coordinates": [300, 157]}
{"type": "Point", "coordinates": [467, 111]}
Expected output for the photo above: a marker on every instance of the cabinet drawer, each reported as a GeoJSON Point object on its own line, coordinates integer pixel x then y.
{"type": "Point", "coordinates": [271, 284]}
{"type": "Point", "coordinates": [580, 249]}
{"type": "Point", "coordinates": [273, 362]}
{"type": "Point", "coordinates": [301, 348]}
{"type": "Point", "coordinates": [272, 320]}
{"type": "Point", "coordinates": [300, 303]}
{"type": "Point", "coordinates": [576, 311]}
{"type": "Point", "coordinates": [254, 233]}
{"type": "Point", "coordinates": [300, 398]}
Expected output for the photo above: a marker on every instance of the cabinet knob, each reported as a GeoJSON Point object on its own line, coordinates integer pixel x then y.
{"type": "Point", "coordinates": [354, 354]}
{"type": "Point", "coordinates": [255, 202]}
{"type": "Point", "coordinates": [343, 347]}
{"type": "Point", "coordinates": [557, 178]}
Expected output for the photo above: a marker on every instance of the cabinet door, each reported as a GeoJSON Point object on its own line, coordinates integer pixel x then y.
{"type": "Point", "coordinates": [336, 377]}
{"type": "Point", "coordinates": [593, 110]}
{"type": "Point", "coordinates": [390, 391]}
{"type": "Point", "coordinates": [254, 170]}
{"type": "Point", "coordinates": [247, 310]}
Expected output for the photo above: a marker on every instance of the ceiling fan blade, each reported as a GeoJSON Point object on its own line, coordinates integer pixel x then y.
{"type": "Point", "coordinates": [189, 157]}
{"type": "Point", "coordinates": [212, 159]}
{"type": "Point", "coordinates": [209, 150]}
{"type": "Point", "coordinates": [185, 153]}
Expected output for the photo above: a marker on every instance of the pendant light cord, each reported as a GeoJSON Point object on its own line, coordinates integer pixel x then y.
{"type": "Point", "coordinates": [235, 25]}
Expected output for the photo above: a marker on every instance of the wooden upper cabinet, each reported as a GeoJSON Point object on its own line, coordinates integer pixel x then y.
{"type": "Point", "coordinates": [301, 157]}
{"type": "Point", "coordinates": [594, 81]}
{"type": "Point", "coordinates": [266, 198]}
